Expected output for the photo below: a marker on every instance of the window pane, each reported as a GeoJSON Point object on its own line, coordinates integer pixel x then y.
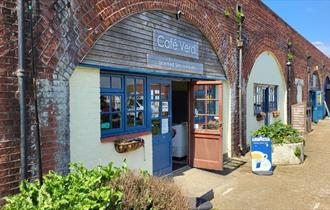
{"type": "Point", "coordinates": [130, 103]}
{"type": "Point", "coordinates": [200, 107]}
{"type": "Point", "coordinates": [105, 122]}
{"type": "Point", "coordinates": [139, 103]}
{"type": "Point", "coordinates": [199, 91]}
{"type": "Point", "coordinates": [105, 82]}
{"type": "Point", "coordinates": [139, 118]}
{"type": "Point", "coordinates": [116, 120]}
{"type": "Point", "coordinates": [130, 86]}
{"type": "Point", "coordinates": [139, 86]}
{"type": "Point", "coordinates": [105, 103]}
{"type": "Point", "coordinates": [165, 108]}
{"type": "Point", "coordinates": [116, 103]}
{"type": "Point", "coordinates": [199, 122]}
{"type": "Point", "coordinates": [212, 92]}
{"type": "Point", "coordinates": [155, 109]}
{"type": "Point", "coordinates": [116, 82]}
{"type": "Point", "coordinates": [213, 107]}
{"type": "Point", "coordinates": [155, 92]}
{"type": "Point", "coordinates": [155, 127]}
{"type": "Point", "coordinates": [165, 92]}
{"type": "Point", "coordinates": [130, 119]}
{"type": "Point", "coordinates": [213, 123]}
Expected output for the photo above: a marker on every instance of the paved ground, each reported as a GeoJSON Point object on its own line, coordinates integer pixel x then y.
{"type": "Point", "coordinates": [305, 186]}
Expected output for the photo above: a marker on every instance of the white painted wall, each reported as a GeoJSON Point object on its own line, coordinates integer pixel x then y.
{"type": "Point", "coordinates": [85, 134]}
{"type": "Point", "coordinates": [226, 118]}
{"type": "Point", "coordinates": [265, 70]}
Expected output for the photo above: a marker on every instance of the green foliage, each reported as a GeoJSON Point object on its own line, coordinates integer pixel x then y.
{"type": "Point", "coordinates": [297, 152]}
{"type": "Point", "coordinates": [226, 13]}
{"type": "Point", "coordinates": [102, 188]}
{"type": "Point", "coordinates": [279, 133]}
{"type": "Point", "coordinates": [239, 16]}
{"type": "Point", "coordinates": [81, 189]}
{"type": "Point", "coordinates": [290, 56]}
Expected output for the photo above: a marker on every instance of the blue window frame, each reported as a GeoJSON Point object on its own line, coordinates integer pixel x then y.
{"type": "Point", "coordinates": [272, 95]}
{"type": "Point", "coordinates": [118, 117]}
{"type": "Point", "coordinates": [265, 98]}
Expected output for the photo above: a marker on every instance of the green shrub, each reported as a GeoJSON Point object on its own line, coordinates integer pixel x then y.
{"type": "Point", "coordinates": [297, 152]}
{"type": "Point", "coordinates": [81, 189]}
{"type": "Point", "coordinates": [279, 133]}
{"type": "Point", "coordinates": [106, 187]}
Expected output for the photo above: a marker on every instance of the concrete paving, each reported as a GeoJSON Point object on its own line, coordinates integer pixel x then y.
{"type": "Point", "coordinates": [304, 186]}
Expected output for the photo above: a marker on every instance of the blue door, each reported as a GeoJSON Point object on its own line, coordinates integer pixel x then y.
{"type": "Point", "coordinates": [160, 119]}
{"type": "Point", "coordinates": [266, 105]}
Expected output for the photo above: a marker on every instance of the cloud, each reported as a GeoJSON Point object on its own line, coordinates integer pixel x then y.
{"type": "Point", "coordinates": [324, 47]}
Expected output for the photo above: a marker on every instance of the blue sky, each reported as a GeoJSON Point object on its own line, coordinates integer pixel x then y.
{"type": "Point", "coordinates": [311, 18]}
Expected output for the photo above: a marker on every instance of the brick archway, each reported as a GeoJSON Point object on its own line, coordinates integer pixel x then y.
{"type": "Point", "coordinates": [60, 55]}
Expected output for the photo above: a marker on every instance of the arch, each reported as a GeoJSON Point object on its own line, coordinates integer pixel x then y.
{"type": "Point", "coordinates": [259, 46]}
{"type": "Point", "coordinates": [316, 80]}
{"type": "Point", "coordinates": [266, 73]}
{"type": "Point", "coordinates": [105, 14]}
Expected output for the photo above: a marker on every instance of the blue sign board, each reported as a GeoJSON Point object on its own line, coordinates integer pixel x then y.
{"type": "Point", "coordinates": [261, 155]}
{"type": "Point", "coordinates": [173, 44]}
{"type": "Point", "coordinates": [161, 62]}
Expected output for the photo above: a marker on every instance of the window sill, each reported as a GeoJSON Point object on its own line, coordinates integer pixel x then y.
{"type": "Point", "coordinates": [123, 136]}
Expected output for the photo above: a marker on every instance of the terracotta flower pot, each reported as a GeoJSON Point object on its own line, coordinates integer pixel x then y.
{"type": "Point", "coordinates": [260, 116]}
{"type": "Point", "coordinates": [276, 114]}
{"type": "Point", "coordinates": [127, 145]}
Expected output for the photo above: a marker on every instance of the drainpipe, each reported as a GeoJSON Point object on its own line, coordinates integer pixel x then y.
{"type": "Point", "coordinates": [289, 64]}
{"type": "Point", "coordinates": [34, 78]}
{"type": "Point", "coordinates": [21, 87]}
{"type": "Point", "coordinates": [240, 20]}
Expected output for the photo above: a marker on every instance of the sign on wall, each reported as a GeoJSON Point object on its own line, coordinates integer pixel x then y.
{"type": "Point", "coordinates": [162, 62]}
{"type": "Point", "coordinates": [173, 44]}
{"type": "Point", "coordinates": [261, 155]}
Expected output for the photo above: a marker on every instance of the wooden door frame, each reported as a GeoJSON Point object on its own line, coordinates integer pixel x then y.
{"type": "Point", "coordinates": [191, 142]}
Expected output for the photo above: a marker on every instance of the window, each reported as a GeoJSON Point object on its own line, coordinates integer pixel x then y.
{"type": "Point", "coordinates": [264, 98]}
{"type": "Point", "coordinates": [118, 117]}
{"type": "Point", "coordinates": [272, 92]}
{"type": "Point", "coordinates": [258, 98]}
{"type": "Point", "coordinates": [207, 107]}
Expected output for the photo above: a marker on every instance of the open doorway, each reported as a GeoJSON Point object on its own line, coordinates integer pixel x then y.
{"type": "Point", "coordinates": [180, 125]}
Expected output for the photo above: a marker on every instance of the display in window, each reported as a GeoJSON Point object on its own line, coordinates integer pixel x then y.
{"type": "Point", "coordinates": [105, 122]}
{"type": "Point", "coordinates": [139, 118]}
{"type": "Point", "coordinates": [165, 125]}
{"type": "Point", "coordinates": [155, 126]}
{"type": "Point", "coordinates": [105, 103]}
{"type": "Point", "coordinates": [115, 103]}
{"type": "Point", "coordinates": [116, 120]}
{"type": "Point", "coordinates": [130, 86]}
{"type": "Point", "coordinates": [155, 109]}
{"type": "Point", "coordinates": [130, 119]}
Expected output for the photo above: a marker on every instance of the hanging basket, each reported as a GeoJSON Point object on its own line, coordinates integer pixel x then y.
{"type": "Point", "coordinates": [261, 116]}
{"type": "Point", "coordinates": [127, 145]}
{"type": "Point", "coordinates": [276, 114]}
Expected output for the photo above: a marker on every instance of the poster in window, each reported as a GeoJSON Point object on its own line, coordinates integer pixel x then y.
{"type": "Point", "coordinates": [165, 106]}
{"type": "Point", "coordinates": [164, 125]}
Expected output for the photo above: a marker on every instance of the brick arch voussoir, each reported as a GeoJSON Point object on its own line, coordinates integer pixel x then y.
{"type": "Point", "coordinates": [260, 46]}
{"type": "Point", "coordinates": [106, 20]}
{"type": "Point", "coordinates": [319, 77]}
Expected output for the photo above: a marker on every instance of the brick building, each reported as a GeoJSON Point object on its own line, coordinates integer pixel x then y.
{"type": "Point", "coordinates": [69, 37]}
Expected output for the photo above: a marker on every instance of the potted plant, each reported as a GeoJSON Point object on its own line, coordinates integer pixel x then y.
{"type": "Point", "coordinates": [288, 144]}
{"type": "Point", "coordinates": [276, 114]}
{"type": "Point", "coordinates": [126, 145]}
{"type": "Point", "coordinates": [260, 116]}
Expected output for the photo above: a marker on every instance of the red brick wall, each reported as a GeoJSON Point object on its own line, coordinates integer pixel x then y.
{"type": "Point", "coordinates": [65, 32]}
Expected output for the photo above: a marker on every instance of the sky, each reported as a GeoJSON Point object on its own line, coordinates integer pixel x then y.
{"type": "Point", "coordinates": [311, 18]}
